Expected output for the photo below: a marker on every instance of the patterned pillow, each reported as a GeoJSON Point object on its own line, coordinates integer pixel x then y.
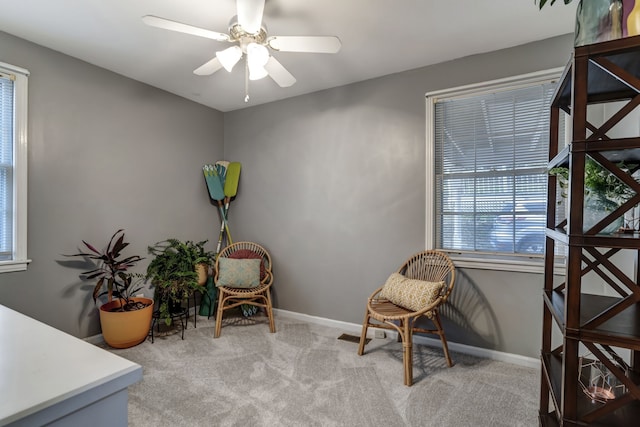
{"type": "Point", "coordinates": [249, 254]}
{"type": "Point", "coordinates": [238, 273]}
{"type": "Point", "coordinates": [411, 294]}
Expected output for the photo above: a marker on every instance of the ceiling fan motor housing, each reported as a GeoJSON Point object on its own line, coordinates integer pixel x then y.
{"type": "Point", "coordinates": [237, 33]}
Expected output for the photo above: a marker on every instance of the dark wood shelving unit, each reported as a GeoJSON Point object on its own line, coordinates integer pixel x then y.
{"type": "Point", "coordinates": [596, 74]}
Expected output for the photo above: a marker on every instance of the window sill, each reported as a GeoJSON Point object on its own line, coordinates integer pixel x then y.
{"type": "Point", "coordinates": [15, 265]}
{"type": "Point", "coordinates": [523, 265]}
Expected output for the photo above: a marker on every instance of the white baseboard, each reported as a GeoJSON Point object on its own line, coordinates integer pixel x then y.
{"type": "Point", "coordinates": [516, 359]}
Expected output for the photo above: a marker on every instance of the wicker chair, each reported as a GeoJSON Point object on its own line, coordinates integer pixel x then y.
{"type": "Point", "coordinates": [259, 296]}
{"type": "Point", "coordinates": [433, 266]}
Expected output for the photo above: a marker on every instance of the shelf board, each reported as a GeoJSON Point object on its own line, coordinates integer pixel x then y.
{"type": "Point", "coordinates": [558, 234]}
{"type": "Point", "coordinates": [552, 366]}
{"type": "Point", "coordinates": [602, 86]}
{"type": "Point", "coordinates": [615, 240]}
{"type": "Point", "coordinates": [548, 420]}
{"type": "Point", "coordinates": [622, 330]}
{"type": "Point", "coordinates": [616, 149]}
{"type": "Point", "coordinates": [561, 159]}
{"type": "Point", "coordinates": [555, 306]}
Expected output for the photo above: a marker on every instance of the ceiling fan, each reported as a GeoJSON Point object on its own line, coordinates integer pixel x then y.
{"type": "Point", "coordinates": [249, 37]}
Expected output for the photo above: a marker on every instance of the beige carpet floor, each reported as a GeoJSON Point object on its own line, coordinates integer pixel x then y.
{"type": "Point", "coordinates": [304, 376]}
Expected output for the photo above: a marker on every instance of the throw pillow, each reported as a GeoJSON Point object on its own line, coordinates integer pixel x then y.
{"type": "Point", "coordinates": [411, 294]}
{"type": "Point", "coordinates": [249, 254]}
{"type": "Point", "coordinates": [238, 273]}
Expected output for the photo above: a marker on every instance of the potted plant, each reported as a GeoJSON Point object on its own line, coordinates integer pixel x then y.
{"type": "Point", "coordinates": [173, 273]}
{"type": "Point", "coordinates": [604, 192]}
{"type": "Point", "coordinates": [125, 320]}
{"type": "Point", "coordinates": [202, 258]}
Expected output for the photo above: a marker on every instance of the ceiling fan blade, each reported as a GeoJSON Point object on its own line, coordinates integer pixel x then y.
{"type": "Point", "coordinates": [167, 24]}
{"type": "Point", "coordinates": [208, 68]}
{"type": "Point", "coordinates": [278, 73]}
{"type": "Point", "coordinates": [250, 15]}
{"type": "Point", "coordinates": [316, 44]}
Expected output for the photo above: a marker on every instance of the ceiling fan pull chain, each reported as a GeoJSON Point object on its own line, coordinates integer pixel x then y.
{"type": "Point", "coordinates": [246, 81]}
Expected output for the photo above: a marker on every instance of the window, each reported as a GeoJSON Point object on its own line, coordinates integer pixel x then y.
{"type": "Point", "coordinates": [488, 148]}
{"type": "Point", "coordinates": [13, 168]}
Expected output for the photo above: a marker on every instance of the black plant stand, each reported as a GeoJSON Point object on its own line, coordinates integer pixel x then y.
{"type": "Point", "coordinates": [181, 314]}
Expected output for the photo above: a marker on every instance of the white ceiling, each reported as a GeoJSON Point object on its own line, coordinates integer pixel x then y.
{"type": "Point", "coordinates": [378, 37]}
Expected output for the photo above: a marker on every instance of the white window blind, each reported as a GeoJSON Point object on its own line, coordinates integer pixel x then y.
{"type": "Point", "coordinates": [6, 167]}
{"type": "Point", "coordinates": [490, 150]}
{"type": "Point", "coordinates": [13, 168]}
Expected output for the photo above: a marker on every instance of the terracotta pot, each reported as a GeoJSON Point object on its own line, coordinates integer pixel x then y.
{"type": "Point", "coordinates": [203, 273]}
{"type": "Point", "coordinates": [122, 329]}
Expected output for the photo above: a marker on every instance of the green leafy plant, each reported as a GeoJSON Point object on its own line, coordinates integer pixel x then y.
{"type": "Point", "coordinates": [172, 272]}
{"type": "Point", "coordinates": [541, 3]}
{"type": "Point", "coordinates": [605, 190]}
{"type": "Point", "coordinates": [112, 272]}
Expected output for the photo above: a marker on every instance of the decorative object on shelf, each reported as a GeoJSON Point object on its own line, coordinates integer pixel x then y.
{"type": "Point", "coordinates": [633, 17]}
{"type": "Point", "coordinates": [173, 272]}
{"type": "Point", "coordinates": [598, 382]}
{"type": "Point", "coordinates": [602, 20]}
{"type": "Point", "coordinates": [598, 21]}
{"type": "Point", "coordinates": [125, 320]}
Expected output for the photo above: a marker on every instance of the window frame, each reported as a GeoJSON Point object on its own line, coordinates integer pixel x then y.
{"type": "Point", "coordinates": [507, 262]}
{"type": "Point", "coordinates": [19, 260]}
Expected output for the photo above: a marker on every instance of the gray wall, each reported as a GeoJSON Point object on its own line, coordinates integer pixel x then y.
{"type": "Point", "coordinates": [105, 152]}
{"type": "Point", "coordinates": [333, 184]}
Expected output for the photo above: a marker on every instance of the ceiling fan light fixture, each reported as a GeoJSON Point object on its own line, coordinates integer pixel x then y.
{"type": "Point", "coordinates": [257, 73]}
{"type": "Point", "coordinates": [257, 57]}
{"type": "Point", "coordinates": [249, 36]}
{"type": "Point", "coordinates": [229, 57]}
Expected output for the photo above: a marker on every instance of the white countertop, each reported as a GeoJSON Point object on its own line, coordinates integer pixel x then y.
{"type": "Point", "coordinates": [41, 367]}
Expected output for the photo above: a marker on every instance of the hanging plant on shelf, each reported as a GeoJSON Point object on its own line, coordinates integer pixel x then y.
{"type": "Point", "coordinates": [603, 190]}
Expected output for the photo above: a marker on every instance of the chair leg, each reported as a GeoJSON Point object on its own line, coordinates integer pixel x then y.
{"type": "Point", "coordinates": [363, 335]}
{"type": "Point", "coordinates": [407, 356]}
{"type": "Point", "coordinates": [438, 323]}
{"type": "Point", "coordinates": [219, 313]}
{"type": "Point", "coordinates": [272, 324]}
